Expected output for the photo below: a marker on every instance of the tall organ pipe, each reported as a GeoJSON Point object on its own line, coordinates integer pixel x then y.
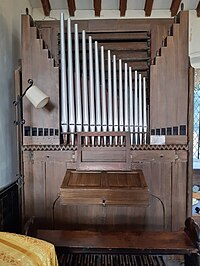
{"type": "Point", "coordinates": [115, 102]}
{"type": "Point", "coordinates": [140, 108]}
{"type": "Point", "coordinates": [136, 108]}
{"type": "Point", "coordinates": [91, 78]}
{"type": "Point", "coordinates": [121, 106]}
{"type": "Point", "coordinates": [110, 105]}
{"type": "Point", "coordinates": [85, 87]}
{"type": "Point", "coordinates": [126, 105]}
{"type": "Point", "coordinates": [97, 91]}
{"type": "Point", "coordinates": [103, 94]}
{"type": "Point", "coordinates": [64, 110]}
{"type": "Point", "coordinates": [144, 110]}
{"type": "Point", "coordinates": [131, 105]}
{"type": "Point", "coordinates": [77, 82]}
{"type": "Point", "coordinates": [70, 82]}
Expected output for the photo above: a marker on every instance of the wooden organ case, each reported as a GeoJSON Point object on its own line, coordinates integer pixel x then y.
{"type": "Point", "coordinates": [159, 183]}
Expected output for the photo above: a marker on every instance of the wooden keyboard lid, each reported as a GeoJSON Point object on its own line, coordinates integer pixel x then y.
{"type": "Point", "coordinates": [95, 187]}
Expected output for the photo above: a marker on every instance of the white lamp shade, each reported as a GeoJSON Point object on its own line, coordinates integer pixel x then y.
{"type": "Point", "coordinates": [37, 97]}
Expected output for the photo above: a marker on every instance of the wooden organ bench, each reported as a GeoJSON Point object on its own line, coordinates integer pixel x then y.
{"type": "Point", "coordinates": [126, 246]}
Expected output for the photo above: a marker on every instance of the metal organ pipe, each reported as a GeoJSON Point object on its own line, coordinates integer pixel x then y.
{"type": "Point", "coordinates": [115, 102]}
{"type": "Point", "coordinates": [126, 105]}
{"type": "Point", "coordinates": [136, 108]}
{"type": "Point", "coordinates": [64, 109]}
{"type": "Point", "coordinates": [110, 109]}
{"type": "Point", "coordinates": [144, 110]}
{"type": "Point", "coordinates": [140, 108]}
{"type": "Point", "coordinates": [97, 91]}
{"type": "Point", "coordinates": [91, 79]}
{"type": "Point", "coordinates": [70, 82]}
{"type": "Point", "coordinates": [121, 106]}
{"type": "Point", "coordinates": [77, 82]}
{"type": "Point", "coordinates": [85, 88]}
{"type": "Point", "coordinates": [131, 121]}
{"type": "Point", "coordinates": [103, 94]}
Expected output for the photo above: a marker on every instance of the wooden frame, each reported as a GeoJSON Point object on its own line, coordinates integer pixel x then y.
{"type": "Point", "coordinates": [99, 156]}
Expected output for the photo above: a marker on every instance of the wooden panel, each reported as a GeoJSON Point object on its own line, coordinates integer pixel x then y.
{"type": "Point", "coordinates": [32, 53]}
{"type": "Point", "coordinates": [99, 155]}
{"type": "Point", "coordinates": [44, 172]}
{"type": "Point", "coordinates": [171, 104]}
{"type": "Point", "coordinates": [156, 156]}
{"type": "Point", "coordinates": [35, 193]}
{"type": "Point", "coordinates": [55, 171]}
{"type": "Point", "coordinates": [158, 178]}
{"type": "Point", "coordinates": [119, 188]}
{"type": "Point", "coordinates": [179, 194]}
{"type": "Point", "coordinates": [10, 218]}
{"type": "Point", "coordinates": [176, 139]}
{"type": "Point", "coordinates": [84, 179]}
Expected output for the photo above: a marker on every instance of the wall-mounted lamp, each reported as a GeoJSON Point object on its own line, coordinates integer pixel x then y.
{"type": "Point", "coordinates": [39, 99]}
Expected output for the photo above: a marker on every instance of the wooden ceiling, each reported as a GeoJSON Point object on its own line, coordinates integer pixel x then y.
{"type": "Point", "coordinates": [148, 6]}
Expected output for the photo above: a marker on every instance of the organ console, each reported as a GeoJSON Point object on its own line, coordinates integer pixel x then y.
{"type": "Point", "coordinates": [89, 163]}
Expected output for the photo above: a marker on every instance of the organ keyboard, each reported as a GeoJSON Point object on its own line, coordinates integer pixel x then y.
{"type": "Point", "coordinates": [73, 259]}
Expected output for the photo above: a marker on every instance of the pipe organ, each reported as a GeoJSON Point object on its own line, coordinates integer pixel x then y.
{"type": "Point", "coordinates": [112, 100]}
{"type": "Point", "coordinates": [113, 85]}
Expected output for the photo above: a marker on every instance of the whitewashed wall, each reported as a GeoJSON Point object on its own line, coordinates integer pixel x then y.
{"type": "Point", "coordinates": [10, 20]}
{"type": "Point", "coordinates": [194, 40]}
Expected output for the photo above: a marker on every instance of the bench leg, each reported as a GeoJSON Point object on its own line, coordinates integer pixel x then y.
{"type": "Point", "coordinates": [192, 260]}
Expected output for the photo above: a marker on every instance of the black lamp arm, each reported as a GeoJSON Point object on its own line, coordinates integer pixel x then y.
{"type": "Point", "coordinates": [30, 81]}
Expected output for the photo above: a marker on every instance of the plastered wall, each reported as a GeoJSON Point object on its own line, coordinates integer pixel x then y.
{"type": "Point", "coordinates": [10, 19]}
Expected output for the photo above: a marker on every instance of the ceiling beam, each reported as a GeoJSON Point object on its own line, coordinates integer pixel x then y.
{"type": "Point", "coordinates": [97, 7]}
{"type": "Point", "coordinates": [71, 7]}
{"type": "Point", "coordinates": [122, 7]}
{"type": "Point", "coordinates": [46, 7]}
{"type": "Point", "coordinates": [148, 7]}
{"type": "Point", "coordinates": [175, 7]}
{"type": "Point", "coordinates": [198, 9]}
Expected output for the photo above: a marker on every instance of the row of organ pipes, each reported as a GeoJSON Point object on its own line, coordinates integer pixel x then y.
{"type": "Point", "coordinates": [89, 106]}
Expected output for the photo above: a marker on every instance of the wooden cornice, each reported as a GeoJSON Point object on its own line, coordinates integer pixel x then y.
{"type": "Point", "coordinates": [198, 9]}
{"type": "Point", "coordinates": [148, 7]}
{"type": "Point", "coordinates": [175, 7]}
{"type": "Point", "coordinates": [122, 7]}
{"type": "Point", "coordinates": [71, 7]}
{"type": "Point", "coordinates": [97, 7]}
{"type": "Point", "coordinates": [46, 7]}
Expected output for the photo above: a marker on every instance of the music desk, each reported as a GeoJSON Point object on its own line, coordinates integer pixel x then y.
{"type": "Point", "coordinates": [18, 249]}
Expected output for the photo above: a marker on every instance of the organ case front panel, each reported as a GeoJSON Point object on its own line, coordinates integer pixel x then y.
{"type": "Point", "coordinates": [47, 156]}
